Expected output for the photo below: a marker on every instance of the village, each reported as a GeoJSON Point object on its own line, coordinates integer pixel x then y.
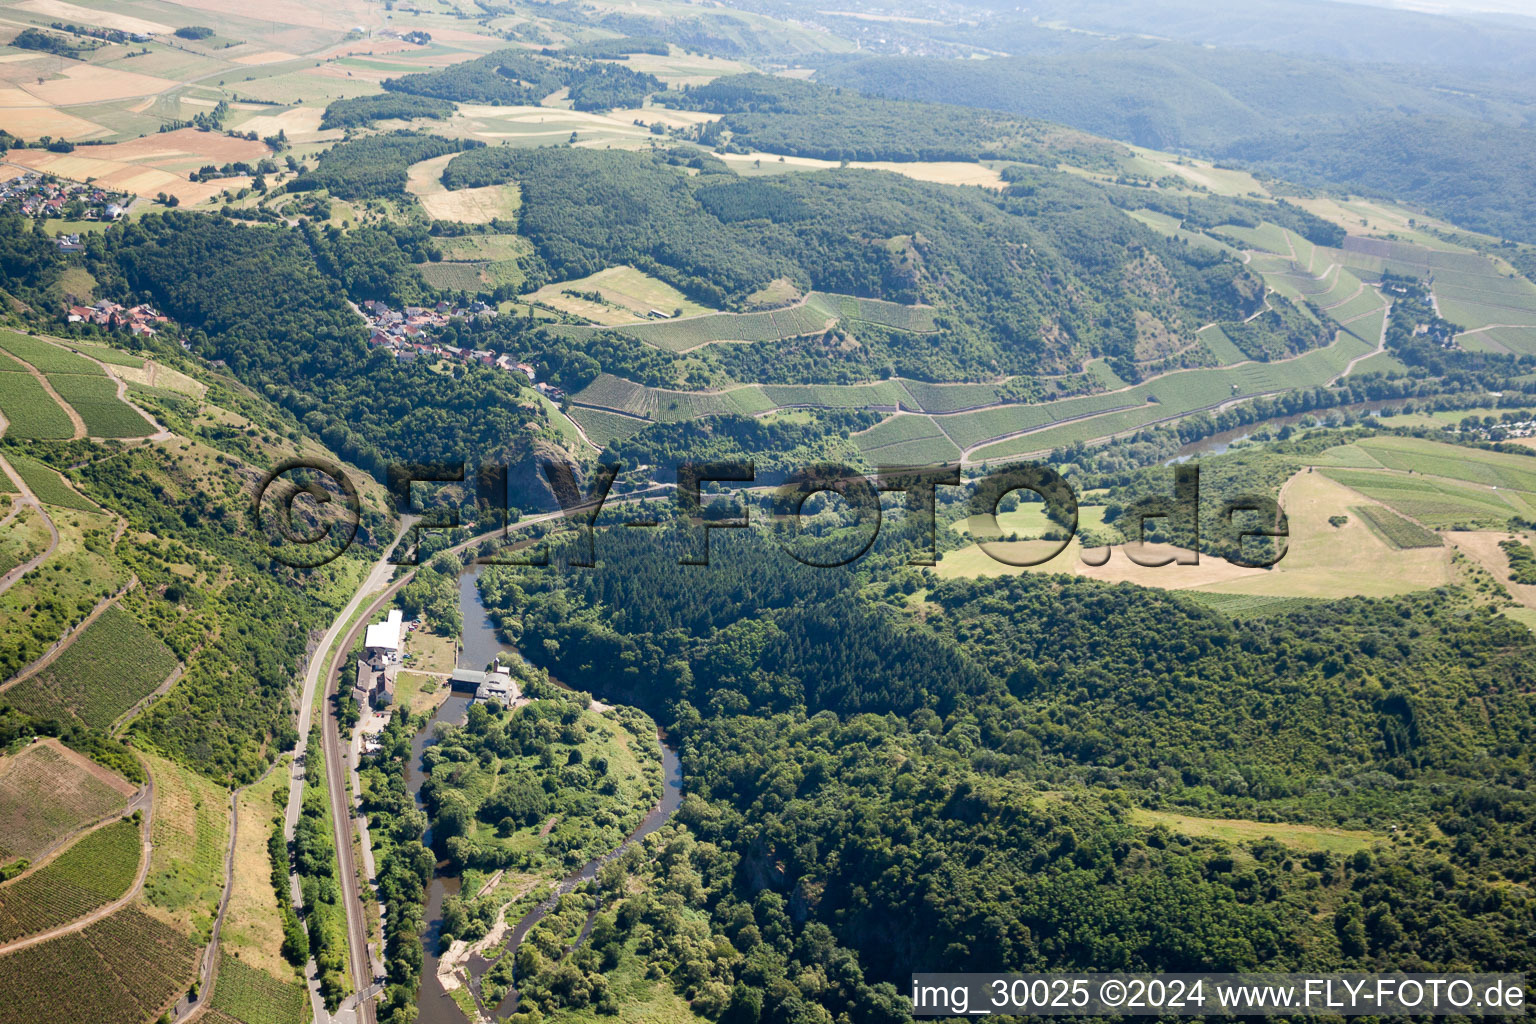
{"type": "Point", "coordinates": [42, 195]}
{"type": "Point", "coordinates": [140, 320]}
{"type": "Point", "coordinates": [408, 334]}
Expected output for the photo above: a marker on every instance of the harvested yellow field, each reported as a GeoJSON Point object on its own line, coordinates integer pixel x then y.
{"type": "Point", "coordinates": [90, 83]}
{"type": "Point", "coordinates": [266, 57]}
{"type": "Point", "coordinates": [30, 122]}
{"type": "Point", "coordinates": [12, 98]}
{"type": "Point", "coordinates": [1321, 561]}
{"type": "Point", "coordinates": [253, 925]}
{"type": "Point", "coordinates": [296, 123]}
{"type": "Point", "coordinates": [474, 205]}
{"type": "Point", "coordinates": [92, 16]}
{"type": "Point", "coordinates": [17, 58]}
{"type": "Point", "coordinates": [628, 295]}
{"type": "Point", "coordinates": [944, 172]}
{"type": "Point", "coordinates": [468, 205]}
{"type": "Point", "coordinates": [1482, 547]}
{"type": "Point", "coordinates": [303, 13]}
{"type": "Point", "coordinates": [662, 115]}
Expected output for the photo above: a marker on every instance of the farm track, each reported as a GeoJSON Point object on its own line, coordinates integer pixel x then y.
{"type": "Point", "coordinates": [64, 642]}
{"type": "Point", "coordinates": [26, 497]}
{"type": "Point", "coordinates": [145, 802]}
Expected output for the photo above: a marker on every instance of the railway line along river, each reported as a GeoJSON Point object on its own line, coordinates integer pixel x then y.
{"type": "Point", "coordinates": [478, 647]}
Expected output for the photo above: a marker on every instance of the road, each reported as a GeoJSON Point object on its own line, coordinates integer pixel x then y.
{"type": "Point", "coordinates": [365, 974]}
{"type": "Point", "coordinates": [377, 577]}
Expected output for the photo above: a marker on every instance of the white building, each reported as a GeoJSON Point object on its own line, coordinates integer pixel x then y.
{"type": "Point", "coordinates": [384, 638]}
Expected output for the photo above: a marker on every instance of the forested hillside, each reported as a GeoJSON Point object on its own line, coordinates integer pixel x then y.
{"type": "Point", "coordinates": [1029, 737]}
{"type": "Point", "coordinates": [1034, 280]}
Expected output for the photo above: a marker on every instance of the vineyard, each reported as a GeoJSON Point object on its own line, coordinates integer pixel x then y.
{"type": "Point", "coordinates": [32, 413]}
{"type": "Point", "coordinates": [1396, 530]}
{"type": "Point", "coordinates": [907, 441]}
{"type": "Point", "coordinates": [887, 393]}
{"type": "Point", "coordinates": [1436, 503]}
{"type": "Point", "coordinates": [603, 427]}
{"type": "Point", "coordinates": [109, 668]}
{"type": "Point", "coordinates": [48, 485]}
{"type": "Point", "coordinates": [619, 395]}
{"type": "Point", "coordinates": [950, 397]}
{"type": "Point", "coordinates": [252, 996]}
{"type": "Point", "coordinates": [47, 793]}
{"type": "Point", "coordinates": [95, 399]}
{"type": "Point", "coordinates": [190, 833]}
{"type": "Point", "coordinates": [95, 871]}
{"type": "Point", "coordinates": [125, 969]}
{"type": "Point", "coordinates": [49, 359]}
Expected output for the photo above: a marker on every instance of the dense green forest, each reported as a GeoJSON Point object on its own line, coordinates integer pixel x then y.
{"type": "Point", "coordinates": [783, 115]}
{"type": "Point", "coordinates": [517, 77]}
{"type": "Point", "coordinates": [361, 111]}
{"type": "Point", "coordinates": [875, 782]}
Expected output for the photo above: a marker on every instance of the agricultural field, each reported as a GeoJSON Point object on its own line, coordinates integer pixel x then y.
{"type": "Point", "coordinates": [1163, 398]}
{"type": "Point", "coordinates": [1440, 486]}
{"type": "Point", "coordinates": [253, 996]}
{"type": "Point", "coordinates": [468, 205]}
{"type": "Point", "coordinates": [1322, 560]}
{"type": "Point", "coordinates": [1220, 346]}
{"type": "Point", "coordinates": [95, 399]}
{"type": "Point", "coordinates": [136, 967]}
{"type": "Point", "coordinates": [48, 792]}
{"type": "Point", "coordinates": [1501, 339]}
{"type": "Point", "coordinates": [615, 394]}
{"type": "Point", "coordinates": [49, 359]}
{"type": "Point", "coordinates": [1471, 290]}
{"type": "Point", "coordinates": [47, 602]}
{"type": "Point", "coordinates": [48, 485]}
{"type": "Point", "coordinates": [95, 871]}
{"type": "Point", "coordinates": [110, 667]}
{"type": "Point", "coordinates": [1396, 530]}
{"type": "Point", "coordinates": [627, 296]}
{"type": "Point", "coordinates": [30, 412]}
{"type": "Point", "coordinates": [1235, 831]}
{"type": "Point", "coordinates": [817, 312]}
{"type": "Point", "coordinates": [948, 397]}
{"type": "Point", "coordinates": [190, 834]}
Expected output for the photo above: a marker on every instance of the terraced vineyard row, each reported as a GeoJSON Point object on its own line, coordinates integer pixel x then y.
{"type": "Point", "coordinates": [95, 871]}
{"type": "Point", "coordinates": [31, 412]}
{"type": "Point", "coordinates": [49, 486]}
{"type": "Point", "coordinates": [78, 380]}
{"type": "Point", "coordinates": [1397, 531]}
{"type": "Point", "coordinates": [1169, 396]}
{"type": "Point", "coordinates": [109, 668]}
{"type": "Point", "coordinates": [124, 969]}
{"type": "Point", "coordinates": [252, 996]}
{"type": "Point", "coordinates": [46, 794]}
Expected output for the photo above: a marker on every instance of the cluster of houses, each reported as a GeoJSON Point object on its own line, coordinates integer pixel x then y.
{"type": "Point", "coordinates": [408, 334]}
{"type": "Point", "coordinates": [37, 195]}
{"type": "Point", "coordinates": [142, 319]}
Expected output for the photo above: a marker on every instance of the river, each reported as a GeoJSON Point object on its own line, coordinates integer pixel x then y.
{"type": "Point", "coordinates": [478, 646]}
{"type": "Point", "coordinates": [1219, 443]}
